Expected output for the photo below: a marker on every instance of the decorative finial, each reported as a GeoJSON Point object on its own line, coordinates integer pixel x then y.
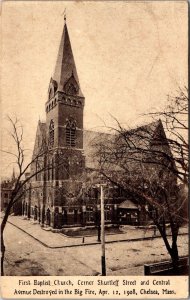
{"type": "Point", "coordinates": [65, 16]}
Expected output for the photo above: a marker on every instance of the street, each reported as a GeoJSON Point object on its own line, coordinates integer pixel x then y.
{"type": "Point", "coordinates": [25, 256]}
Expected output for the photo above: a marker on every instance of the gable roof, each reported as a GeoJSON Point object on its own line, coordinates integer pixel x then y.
{"type": "Point", "coordinates": [140, 137]}
{"type": "Point", "coordinates": [128, 204]}
{"type": "Point", "coordinates": [40, 137]}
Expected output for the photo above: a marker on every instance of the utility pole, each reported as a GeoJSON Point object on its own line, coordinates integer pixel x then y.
{"type": "Point", "coordinates": [103, 233]}
{"type": "Point", "coordinates": [99, 227]}
{"type": "Point", "coordinates": [98, 220]}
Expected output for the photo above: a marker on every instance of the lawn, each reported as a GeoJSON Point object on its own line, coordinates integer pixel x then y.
{"type": "Point", "coordinates": [80, 232]}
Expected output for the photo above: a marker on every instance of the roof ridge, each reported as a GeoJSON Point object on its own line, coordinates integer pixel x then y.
{"type": "Point", "coordinates": [128, 130]}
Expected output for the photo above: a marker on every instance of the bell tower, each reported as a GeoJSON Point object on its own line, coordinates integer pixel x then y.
{"type": "Point", "coordinates": [64, 110]}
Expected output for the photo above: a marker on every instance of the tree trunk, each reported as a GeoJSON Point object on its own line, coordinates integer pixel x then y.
{"type": "Point", "coordinates": [2, 254]}
{"type": "Point", "coordinates": [29, 202]}
{"type": "Point", "coordinates": [175, 258]}
{"type": "Point", "coordinates": [174, 248]}
{"type": "Point", "coordinates": [43, 216]}
{"type": "Point", "coordinates": [3, 224]}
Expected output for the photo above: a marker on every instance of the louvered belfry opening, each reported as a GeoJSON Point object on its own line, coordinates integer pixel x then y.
{"type": "Point", "coordinates": [51, 133]}
{"type": "Point", "coordinates": [71, 133]}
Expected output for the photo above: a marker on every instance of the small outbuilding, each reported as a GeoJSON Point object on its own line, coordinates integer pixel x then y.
{"type": "Point", "coordinates": [128, 213]}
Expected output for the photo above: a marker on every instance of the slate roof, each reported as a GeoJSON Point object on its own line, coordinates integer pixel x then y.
{"type": "Point", "coordinates": [142, 135]}
{"type": "Point", "coordinates": [42, 126]}
{"type": "Point", "coordinates": [40, 137]}
{"type": "Point", "coordinates": [65, 65]}
{"type": "Point", "coordinates": [139, 137]}
{"type": "Point", "coordinates": [89, 140]}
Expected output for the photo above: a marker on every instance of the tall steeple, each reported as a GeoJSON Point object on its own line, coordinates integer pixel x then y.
{"type": "Point", "coordinates": [65, 104]}
{"type": "Point", "coordinates": [65, 73]}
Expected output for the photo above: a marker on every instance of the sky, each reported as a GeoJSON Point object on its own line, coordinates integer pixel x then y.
{"type": "Point", "coordinates": [129, 57]}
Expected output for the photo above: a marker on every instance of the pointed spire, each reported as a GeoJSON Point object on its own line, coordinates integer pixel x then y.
{"type": "Point", "coordinates": [65, 67]}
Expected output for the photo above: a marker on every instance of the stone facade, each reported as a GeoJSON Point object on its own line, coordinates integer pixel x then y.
{"type": "Point", "coordinates": [58, 197]}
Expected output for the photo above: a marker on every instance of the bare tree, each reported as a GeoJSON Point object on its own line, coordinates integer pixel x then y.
{"type": "Point", "coordinates": [148, 165]}
{"type": "Point", "coordinates": [175, 121]}
{"type": "Point", "coordinates": [22, 183]}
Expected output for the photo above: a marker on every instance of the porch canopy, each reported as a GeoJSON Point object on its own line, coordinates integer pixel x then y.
{"type": "Point", "coordinates": [128, 204]}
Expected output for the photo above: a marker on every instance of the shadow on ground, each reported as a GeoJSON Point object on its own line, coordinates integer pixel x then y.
{"type": "Point", "coordinates": [26, 267]}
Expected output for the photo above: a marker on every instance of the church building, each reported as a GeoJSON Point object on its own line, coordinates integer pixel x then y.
{"type": "Point", "coordinates": [58, 196]}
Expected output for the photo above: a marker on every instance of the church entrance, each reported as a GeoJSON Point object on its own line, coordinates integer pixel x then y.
{"type": "Point", "coordinates": [35, 213]}
{"type": "Point", "coordinates": [75, 216]}
{"type": "Point", "coordinates": [90, 214]}
{"type": "Point", "coordinates": [64, 217]}
{"type": "Point", "coordinates": [48, 217]}
{"type": "Point", "coordinates": [26, 209]}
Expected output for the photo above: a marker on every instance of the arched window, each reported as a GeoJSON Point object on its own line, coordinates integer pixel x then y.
{"type": "Point", "coordinates": [71, 87]}
{"type": "Point", "coordinates": [48, 172]}
{"type": "Point", "coordinates": [51, 92]}
{"type": "Point", "coordinates": [51, 133]}
{"type": "Point", "coordinates": [52, 170]}
{"type": "Point", "coordinates": [71, 133]}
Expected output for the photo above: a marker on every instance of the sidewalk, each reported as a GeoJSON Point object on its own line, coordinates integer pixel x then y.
{"type": "Point", "coordinates": [58, 240]}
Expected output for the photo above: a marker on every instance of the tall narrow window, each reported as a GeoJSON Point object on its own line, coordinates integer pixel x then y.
{"type": "Point", "coordinates": [71, 133]}
{"type": "Point", "coordinates": [52, 170]}
{"type": "Point", "coordinates": [51, 133]}
{"type": "Point", "coordinates": [48, 172]}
